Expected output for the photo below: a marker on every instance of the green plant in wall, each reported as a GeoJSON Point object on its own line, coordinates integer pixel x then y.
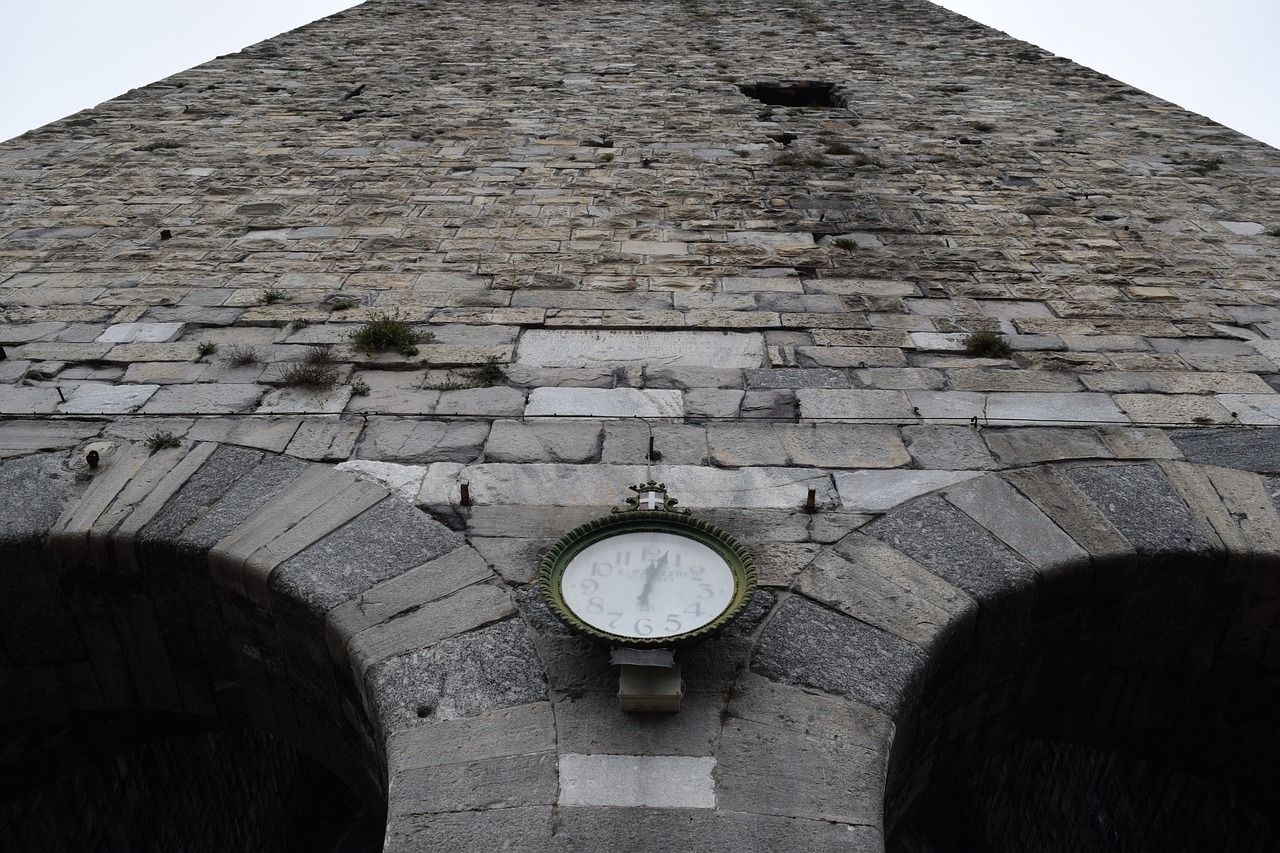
{"type": "Point", "coordinates": [206, 349]}
{"type": "Point", "coordinates": [987, 345]}
{"type": "Point", "coordinates": [316, 371]}
{"type": "Point", "coordinates": [387, 331]}
{"type": "Point", "coordinates": [159, 440]}
{"type": "Point", "coordinates": [242, 356]}
{"type": "Point", "coordinates": [271, 295]}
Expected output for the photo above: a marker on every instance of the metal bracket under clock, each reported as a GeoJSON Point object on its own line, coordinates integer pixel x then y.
{"type": "Point", "coordinates": [648, 680]}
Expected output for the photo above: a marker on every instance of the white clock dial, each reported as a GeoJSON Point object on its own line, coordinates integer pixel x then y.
{"type": "Point", "coordinates": [647, 585]}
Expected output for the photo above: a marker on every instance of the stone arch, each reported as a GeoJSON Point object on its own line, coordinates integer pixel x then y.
{"type": "Point", "coordinates": [1128, 605]}
{"type": "Point", "coordinates": [220, 582]}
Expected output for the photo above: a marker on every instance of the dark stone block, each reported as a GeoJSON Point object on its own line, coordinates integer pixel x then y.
{"type": "Point", "coordinates": [1143, 506]}
{"type": "Point", "coordinates": [955, 547]}
{"type": "Point", "coordinates": [36, 489]}
{"type": "Point", "coordinates": [528, 829]}
{"type": "Point", "coordinates": [807, 645]}
{"type": "Point", "coordinates": [249, 494]}
{"type": "Point", "coordinates": [383, 542]}
{"type": "Point", "coordinates": [646, 830]}
{"type": "Point", "coordinates": [495, 667]}
{"type": "Point", "coordinates": [1246, 449]}
{"type": "Point", "coordinates": [510, 781]}
{"type": "Point", "coordinates": [206, 487]}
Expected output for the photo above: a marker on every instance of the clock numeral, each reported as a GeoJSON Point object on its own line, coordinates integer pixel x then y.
{"type": "Point", "coordinates": [695, 572]}
{"type": "Point", "coordinates": [651, 552]}
{"type": "Point", "coordinates": [613, 622]}
{"type": "Point", "coordinates": [694, 609]}
{"type": "Point", "coordinates": [601, 570]}
{"type": "Point", "coordinates": [590, 586]}
{"type": "Point", "coordinates": [623, 558]}
{"type": "Point", "coordinates": [673, 624]}
{"type": "Point", "coordinates": [707, 591]}
{"type": "Point", "coordinates": [643, 627]}
{"type": "Point", "coordinates": [595, 605]}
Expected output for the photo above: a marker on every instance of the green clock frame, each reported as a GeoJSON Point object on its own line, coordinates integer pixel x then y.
{"type": "Point", "coordinates": [636, 520]}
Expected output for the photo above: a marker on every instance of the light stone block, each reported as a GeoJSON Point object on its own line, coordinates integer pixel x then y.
{"type": "Point", "coordinates": [605, 403]}
{"type": "Point", "coordinates": [403, 480]}
{"type": "Point", "coordinates": [879, 491]}
{"type": "Point", "coordinates": [1021, 409]}
{"type": "Point", "coordinates": [1256, 409]}
{"type": "Point", "coordinates": [657, 781]}
{"type": "Point", "coordinates": [107, 399]}
{"type": "Point", "coordinates": [871, 406]}
{"type": "Point", "coordinates": [140, 333]}
{"type": "Point", "coordinates": [577, 348]}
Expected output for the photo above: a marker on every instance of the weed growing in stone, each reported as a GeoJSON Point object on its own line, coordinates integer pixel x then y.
{"type": "Point", "coordinates": [987, 345]}
{"type": "Point", "coordinates": [359, 388]}
{"type": "Point", "coordinates": [159, 144]}
{"type": "Point", "coordinates": [839, 149]}
{"type": "Point", "coordinates": [386, 331]}
{"type": "Point", "coordinates": [206, 349]}
{"type": "Point", "coordinates": [271, 296]}
{"type": "Point", "coordinates": [845, 243]}
{"type": "Point", "coordinates": [242, 356]}
{"type": "Point", "coordinates": [160, 440]}
{"type": "Point", "coordinates": [1275, 231]}
{"type": "Point", "coordinates": [343, 303]}
{"type": "Point", "coordinates": [982, 126]}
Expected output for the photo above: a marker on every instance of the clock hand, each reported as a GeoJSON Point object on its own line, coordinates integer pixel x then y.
{"type": "Point", "coordinates": [651, 574]}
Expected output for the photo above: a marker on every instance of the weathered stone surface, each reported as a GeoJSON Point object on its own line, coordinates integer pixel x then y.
{"type": "Point", "coordinates": [947, 448]}
{"type": "Point", "coordinates": [877, 491]}
{"type": "Point", "coordinates": [530, 828]}
{"type": "Point", "coordinates": [770, 770]}
{"type": "Point", "coordinates": [820, 445]}
{"type": "Point", "coordinates": [383, 542]}
{"type": "Point", "coordinates": [1248, 449]}
{"type": "Point", "coordinates": [704, 831]}
{"type": "Point", "coordinates": [591, 724]}
{"type": "Point", "coordinates": [519, 730]}
{"type": "Point", "coordinates": [548, 348]}
{"type": "Point", "coordinates": [604, 403]}
{"type": "Point", "coordinates": [519, 441]}
{"type": "Point", "coordinates": [419, 442]}
{"type": "Point", "coordinates": [18, 438]}
{"type": "Point", "coordinates": [1016, 521]}
{"type": "Point", "coordinates": [107, 400]}
{"type": "Point", "coordinates": [495, 667]}
{"type": "Point", "coordinates": [662, 781]}
{"type": "Point", "coordinates": [1142, 505]}
{"type": "Point", "coordinates": [806, 645]}
{"type": "Point", "coordinates": [506, 782]}
{"type": "Point", "coordinates": [1052, 490]}
{"type": "Point", "coordinates": [951, 545]}
{"type": "Point", "coordinates": [1030, 445]}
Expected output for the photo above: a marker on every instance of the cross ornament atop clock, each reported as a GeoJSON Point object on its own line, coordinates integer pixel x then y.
{"type": "Point", "coordinates": [647, 576]}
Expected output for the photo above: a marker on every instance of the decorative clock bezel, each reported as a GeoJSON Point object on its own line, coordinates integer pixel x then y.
{"type": "Point", "coordinates": [634, 519]}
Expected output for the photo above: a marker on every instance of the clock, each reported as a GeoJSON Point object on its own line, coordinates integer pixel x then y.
{"type": "Point", "coordinates": [647, 576]}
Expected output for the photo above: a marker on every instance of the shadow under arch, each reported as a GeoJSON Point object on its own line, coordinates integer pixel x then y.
{"type": "Point", "coordinates": [133, 603]}
{"type": "Point", "coordinates": [1118, 702]}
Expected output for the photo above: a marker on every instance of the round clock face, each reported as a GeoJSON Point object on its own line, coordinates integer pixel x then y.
{"type": "Point", "coordinates": [647, 585]}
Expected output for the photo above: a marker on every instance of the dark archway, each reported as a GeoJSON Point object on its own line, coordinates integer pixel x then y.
{"type": "Point", "coordinates": [145, 703]}
{"type": "Point", "coordinates": [1117, 705]}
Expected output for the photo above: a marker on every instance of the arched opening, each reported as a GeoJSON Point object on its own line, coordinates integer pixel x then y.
{"type": "Point", "coordinates": [1129, 705]}
{"type": "Point", "coordinates": [145, 705]}
{"type": "Point", "coordinates": [148, 781]}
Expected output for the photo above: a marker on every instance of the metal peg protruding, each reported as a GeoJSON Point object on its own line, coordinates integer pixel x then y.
{"type": "Point", "coordinates": [466, 495]}
{"type": "Point", "coordinates": [811, 502]}
{"type": "Point", "coordinates": [92, 458]}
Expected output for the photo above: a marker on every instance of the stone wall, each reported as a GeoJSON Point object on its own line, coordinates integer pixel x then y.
{"type": "Point", "coordinates": [618, 263]}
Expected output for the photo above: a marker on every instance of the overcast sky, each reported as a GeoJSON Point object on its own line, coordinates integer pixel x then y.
{"type": "Point", "coordinates": [1220, 58]}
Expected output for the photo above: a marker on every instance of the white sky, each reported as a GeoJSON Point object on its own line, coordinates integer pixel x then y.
{"type": "Point", "coordinates": [1221, 59]}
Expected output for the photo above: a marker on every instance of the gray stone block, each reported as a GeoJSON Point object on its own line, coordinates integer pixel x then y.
{"type": "Point", "coordinates": [592, 724]}
{"type": "Point", "coordinates": [629, 830]}
{"type": "Point", "coordinates": [527, 828]}
{"type": "Point", "coordinates": [820, 445]}
{"type": "Point", "coordinates": [947, 448]}
{"type": "Point", "coordinates": [507, 782]}
{"type": "Point", "coordinates": [807, 645]}
{"type": "Point", "coordinates": [418, 442]}
{"type": "Point", "coordinates": [1030, 445]}
{"type": "Point", "coordinates": [519, 441]}
{"type": "Point", "coordinates": [1143, 506]}
{"type": "Point", "coordinates": [1051, 489]}
{"type": "Point", "coordinates": [1017, 522]}
{"type": "Point", "coordinates": [495, 667]}
{"type": "Point", "coordinates": [1248, 449]}
{"type": "Point", "coordinates": [892, 593]}
{"type": "Point", "coordinates": [781, 706]}
{"type": "Point", "coordinates": [379, 544]}
{"type": "Point", "coordinates": [518, 730]}
{"type": "Point", "coordinates": [769, 770]}
{"type": "Point", "coordinates": [814, 377]}
{"type": "Point", "coordinates": [225, 468]}
{"type": "Point", "coordinates": [953, 546]}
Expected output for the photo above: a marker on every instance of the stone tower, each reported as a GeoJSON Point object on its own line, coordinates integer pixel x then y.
{"type": "Point", "coordinates": [974, 349]}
